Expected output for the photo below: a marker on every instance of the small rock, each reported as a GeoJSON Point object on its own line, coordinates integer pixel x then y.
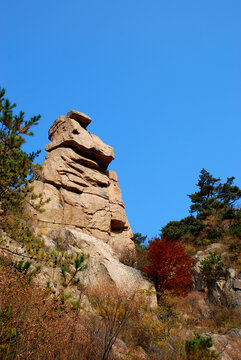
{"type": "Point", "coordinates": [235, 332]}
{"type": "Point", "coordinates": [83, 119]}
{"type": "Point", "coordinates": [228, 349]}
{"type": "Point", "coordinates": [229, 284]}
{"type": "Point", "coordinates": [238, 297]}
{"type": "Point", "coordinates": [215, 247]}
{"type": "Point", "coordinates": [231, 273]}
{"type": "Point", "coordinates": [237, 284]}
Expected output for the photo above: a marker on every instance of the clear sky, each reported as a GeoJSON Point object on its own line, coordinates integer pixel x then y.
{"type": "Point", "coordinates": [161, 81]}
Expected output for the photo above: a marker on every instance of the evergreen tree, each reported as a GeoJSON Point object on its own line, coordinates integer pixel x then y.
{"type": "Point", "coordinates": [205, 200]}
{"type": "Point", "coordinates": [139, 239]}
{"type": "Point", "coordinates": [213, 195]}
{"type": "Point", "coordinates": [212, 267]}
{"type": "Point", "coordinates": [16, 166]}
{"type": "Point", "coordinates": [228, 193]}
{"type": "Point", "coordinates": [200, 348]}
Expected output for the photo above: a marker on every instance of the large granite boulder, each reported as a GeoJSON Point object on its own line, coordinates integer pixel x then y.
{"type": "Point", "coordinates": [104, 270]}
{"type": "Point", "coordinates": [103, 263]}
{"type": "Point", "coordinates": [84, 194]}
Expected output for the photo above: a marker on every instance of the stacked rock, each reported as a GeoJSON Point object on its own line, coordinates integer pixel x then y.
{"type": "Point", "coordinates": [84, 194]}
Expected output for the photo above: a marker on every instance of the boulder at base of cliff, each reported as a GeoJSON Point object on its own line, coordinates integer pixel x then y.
{"type": "Point", "coordinates": [104, 266]}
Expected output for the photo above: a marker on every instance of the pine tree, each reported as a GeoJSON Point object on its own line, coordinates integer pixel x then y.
{"type": "Point", "coordinates": [139, 241]}
{"type": "Point", "coordinates": [228, 193]}
{"type": "Point", "coordinates": [16, 166]}
{"type": "Point", "coordinates": [200, 347]}
{"type": "Point", "coordinates": [205, 200]}
{"type": "Point", "coordinates": [213, 196]}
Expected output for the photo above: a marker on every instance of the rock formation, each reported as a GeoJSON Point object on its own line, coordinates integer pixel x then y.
{"type": "Point", "coordinates": [84, 194]}
{"type": "Point", "coordinates": [104, 266]}
{"type": "Point", "coordinates": [221, 291]}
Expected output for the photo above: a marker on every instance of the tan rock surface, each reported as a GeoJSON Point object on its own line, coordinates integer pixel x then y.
{"type": "Point", "coordinates": [103, 264]}
{"type": "Point", "coordinates": [84, 195]}
{"type": "Point", "coordinates": [83, 119]}
{"type": "Point", "coordinates": [53, 210]}
{"type": "Point", "coordinates": [237, 284]}
{"type": "Point", "coordinates": [66, 132]}
{"type": "Point", "coordinates": [62, 168]}
{"type": "Point", "coordinates": [114, 190]}
{"type": "Point", "coordinates": [228, 348]}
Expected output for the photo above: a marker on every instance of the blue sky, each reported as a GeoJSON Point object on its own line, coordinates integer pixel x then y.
{"type": "Point", "coordinates": [161, 81]}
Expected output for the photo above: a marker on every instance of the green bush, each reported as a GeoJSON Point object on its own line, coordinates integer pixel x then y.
{"type": "Point", "coordinates": [212, 266]}
{"type": "Point", "coordinates": [200, 348]}
{"type": "Point", "coordinates": [187, 226]}
{"type": "Point", "coordinates": [213, 234]}
{"type": "Point", "coordinates": [228, 214]}
{"type": "Point", "coordinates": [235, 230]}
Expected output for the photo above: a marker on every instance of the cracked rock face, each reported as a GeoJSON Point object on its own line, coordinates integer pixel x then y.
{"type": "Point", "coordinates": [84, 195]}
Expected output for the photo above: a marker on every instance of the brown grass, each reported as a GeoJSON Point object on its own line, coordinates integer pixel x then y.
{"type": "Point", "coordinates": [34, 325]}
{"type": "Point", "coordinates": [195, 313]}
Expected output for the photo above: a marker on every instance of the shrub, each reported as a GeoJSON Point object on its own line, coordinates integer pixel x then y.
{"type": "Point", "coordinates": [170, 267]}
{"type": "Point", "coordinates": [212, 266]}
{"type": "Point", "coordinates": [235, 253]}
{"type": "Point", "coordinates": [113, 308]}
{"type": "Point", "coordinates": [187, 226]}
{"type": "Point", "coordinates": [224, 317]}
{"type": "Point", "coordinates": [213, 234]}
{"type": "Point", "coordinates": [236, 230]}
{"type": "Point", "coordinates": [35, 324]}
{"type": "Point", "coordinates": [140, 247]}
{"type": "Point", "coordinates": [149, 328]}
{"type": "Point", "coordinates": [229, 214]}
{"type": "Point", "coordinates": [199, 348]}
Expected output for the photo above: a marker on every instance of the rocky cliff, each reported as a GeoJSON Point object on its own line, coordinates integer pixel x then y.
{"type": "Point", "coordinates": [84, 194]}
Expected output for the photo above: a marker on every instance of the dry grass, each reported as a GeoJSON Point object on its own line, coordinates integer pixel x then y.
{"type": "Point", "coordinates": [195, 313]}
{"type": "Point", "coordinates": [35, 325]}
{"type": "Point", "coordinates": [113, 307]}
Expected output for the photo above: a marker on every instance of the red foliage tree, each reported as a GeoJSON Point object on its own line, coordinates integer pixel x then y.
{"type": "Point", "coordinates": [170, 267]}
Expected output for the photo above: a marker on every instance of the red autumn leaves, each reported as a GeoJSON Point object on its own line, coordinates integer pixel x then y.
{"type": "Point", "coordinates": [169, 266]}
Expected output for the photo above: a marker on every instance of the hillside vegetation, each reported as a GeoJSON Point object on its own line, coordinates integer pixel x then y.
{"type": "Point", "coordinates": [215, 217]}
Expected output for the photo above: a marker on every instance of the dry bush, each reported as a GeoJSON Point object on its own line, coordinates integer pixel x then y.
{"type": "Point", "coordinates": [175, 346]}
{"type": "Point", "coordinates": [193, 309]}
{"type": "Point", "coordinates": [149, 328]}
{"type": "Point", "coordinates": [127, 314]}
{"type": "Point", "coordinates": [224, 318]}
{"type": "Point", "coordinates": [113, 308]}
{"type": "Point", "coordinates": [128, 257]}
{"type": "Point", "coordinates": [35, 325]}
